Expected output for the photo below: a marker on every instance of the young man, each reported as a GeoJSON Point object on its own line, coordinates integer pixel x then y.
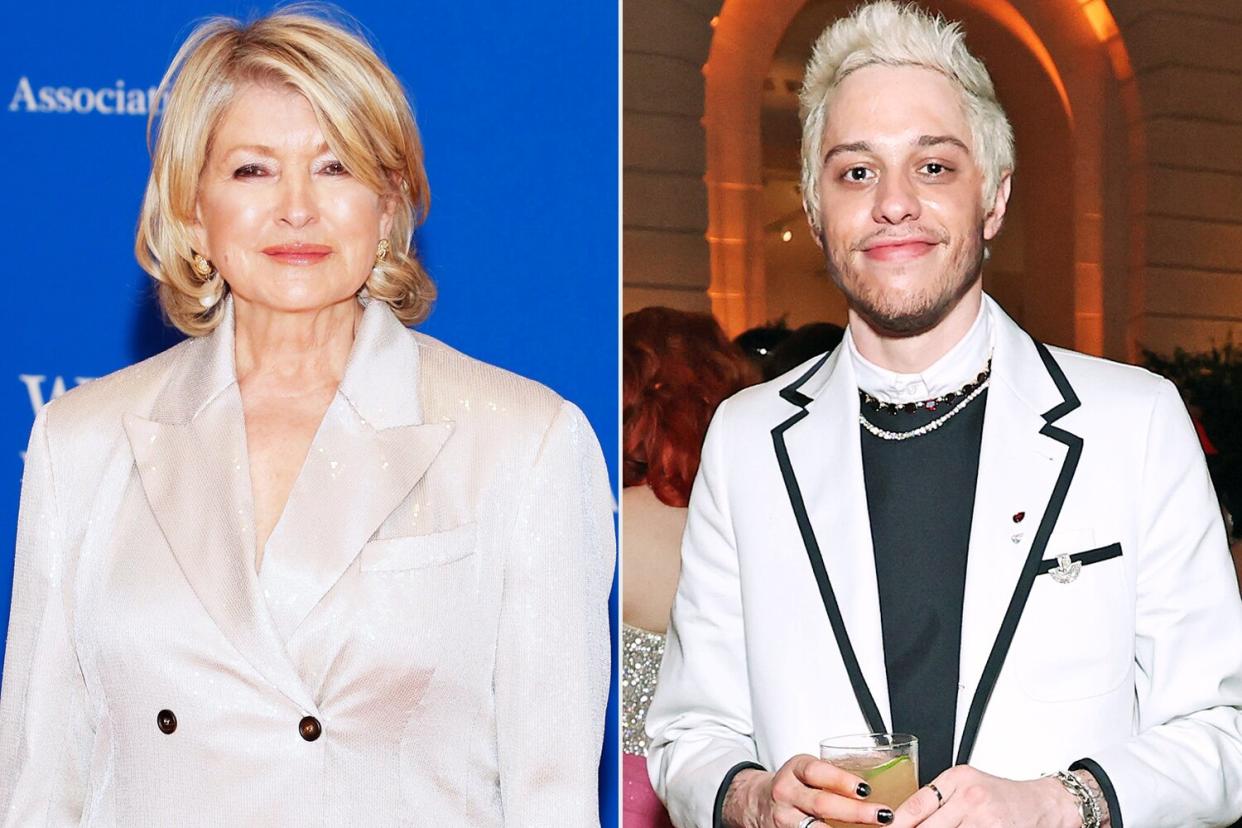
{"type": "Point", "coordinates": [943, 527]}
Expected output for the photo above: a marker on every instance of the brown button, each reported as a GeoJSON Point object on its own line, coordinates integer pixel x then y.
{"type": "Point", "coordinates": [310, 728]}
{"type": "Point", "coordinates": [166, 721]}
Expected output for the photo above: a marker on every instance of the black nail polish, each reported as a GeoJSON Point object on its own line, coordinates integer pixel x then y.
{"type": "Point", "coordinates": [863, 790]}
{"type": "Point", "coordinates": [885, 816]}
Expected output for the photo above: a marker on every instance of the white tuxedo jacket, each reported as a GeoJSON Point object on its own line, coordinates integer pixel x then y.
{"type": "Point", "coordinates": [775, 640]}
{"type": "Point", "coordinates": [434, 596]}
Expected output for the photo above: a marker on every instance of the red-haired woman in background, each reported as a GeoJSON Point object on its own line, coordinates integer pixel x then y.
{"type": "Point", "coordinates": [677, 368]}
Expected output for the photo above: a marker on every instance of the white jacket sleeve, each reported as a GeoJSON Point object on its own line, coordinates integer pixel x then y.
{"type": "Point", "coordinates": [45, 736]}
{"type": "Point", "coordinates": [554, 653]}
{"type": "Point", "coordinates": [1184, 767]}
{"type": "Point", "coordinates": [700, 718]}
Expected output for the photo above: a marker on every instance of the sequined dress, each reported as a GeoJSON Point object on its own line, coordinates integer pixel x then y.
{"type": "Point", "coordinates": [640, 660]}
{"type": "Point", "coordinates": [641, 652]}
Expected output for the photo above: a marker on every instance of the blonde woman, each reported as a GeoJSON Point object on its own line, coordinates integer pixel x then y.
{"type": "Point", "coordinates": [307, 567]}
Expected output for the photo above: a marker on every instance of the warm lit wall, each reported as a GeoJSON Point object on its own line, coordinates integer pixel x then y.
{"type": "Point", "coordinates": [665, 257]}
{"type": "Point", "coordinates": [1189, 73]}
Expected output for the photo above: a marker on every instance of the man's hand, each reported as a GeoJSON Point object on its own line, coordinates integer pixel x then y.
{"type": "Point", "coordinates": [804, 786]}
{"type": "Point", "coordinates": [973, 798]}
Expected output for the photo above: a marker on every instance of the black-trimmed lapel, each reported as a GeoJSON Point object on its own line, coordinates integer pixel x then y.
{"type": "Point", "coordinates": [1026, 466]}
{"type": "Point", "coordinates": [819, 453]}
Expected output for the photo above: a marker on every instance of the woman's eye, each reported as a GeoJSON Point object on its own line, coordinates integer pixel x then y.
{"type": "Point", "coordinates": [334, 168]}
{"type": "Point", "coordinates": [249, 171]}
{"type": "Point", "coordinates": [857, 174]}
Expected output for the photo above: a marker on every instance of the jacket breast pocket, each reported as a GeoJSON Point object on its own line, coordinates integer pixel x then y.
{"type": "Point", "coordinates": [419, 551]}
{"type": "Point", "coordinates": [1077, 631]}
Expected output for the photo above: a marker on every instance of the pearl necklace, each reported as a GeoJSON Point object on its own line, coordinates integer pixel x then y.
{"type": "Point", "coordinates": [928, 427]}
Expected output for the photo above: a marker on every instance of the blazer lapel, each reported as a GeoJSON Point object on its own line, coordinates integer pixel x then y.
{"type": "Point", "coordinates": [819, 452]}
{"type": "Point", "coordinates": [353, 478]}
{"type": "Point", "coordinates": [192, 464]}
{"type": "Point", "coordinates": [371, 449]}
{"type": "Point", "coordinates": [1026, 465]}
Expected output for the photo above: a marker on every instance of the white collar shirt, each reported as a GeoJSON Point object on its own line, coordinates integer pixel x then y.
{"type": "Point", "coordinates": [961, 365]}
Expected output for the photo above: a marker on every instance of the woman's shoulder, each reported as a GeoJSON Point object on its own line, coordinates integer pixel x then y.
{"type": "Point", "coordinates": [84, 429]}
{"type": "Point", "coordinates": [97, 406]}
{"type": "Point", "coordinates": [460, 387]}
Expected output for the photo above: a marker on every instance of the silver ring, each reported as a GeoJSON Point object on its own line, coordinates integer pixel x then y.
{"type": "Point", "coordinates": [808, 821]}
{"type": "Point", "coordinates": [936, 791]}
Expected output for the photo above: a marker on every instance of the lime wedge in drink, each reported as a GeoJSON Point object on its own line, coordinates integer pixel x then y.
{"type": "Point", "coordinates": [887, 766]}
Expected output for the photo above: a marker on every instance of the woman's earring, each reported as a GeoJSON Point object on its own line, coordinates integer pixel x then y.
{"type": "Point", "coordinates": [381, 253]}
{"type": "Point", "coordinates": [202, 267]}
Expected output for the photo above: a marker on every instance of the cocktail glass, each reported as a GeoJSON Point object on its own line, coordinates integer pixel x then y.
{"type": "Point", "coordinates": [889, 762]}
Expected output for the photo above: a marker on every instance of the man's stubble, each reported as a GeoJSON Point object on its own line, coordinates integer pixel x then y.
{"type": "Point", "coordinates": [914, 313]}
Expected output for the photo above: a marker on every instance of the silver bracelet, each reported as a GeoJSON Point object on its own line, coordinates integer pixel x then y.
{"type": "Point", "coordinates": [1088, 808]}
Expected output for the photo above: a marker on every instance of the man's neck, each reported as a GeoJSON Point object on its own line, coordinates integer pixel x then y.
{"type": "Point", "coordinates": [914, 354]}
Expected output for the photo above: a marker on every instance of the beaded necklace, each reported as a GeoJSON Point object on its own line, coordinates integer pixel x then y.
{"type": "Point", "coordinates": [965, 395]}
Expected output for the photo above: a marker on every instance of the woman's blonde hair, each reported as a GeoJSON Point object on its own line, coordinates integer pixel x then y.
{"type": "Point", "coordinates": [361, 108]}
{"type": "Point", "coordinates": [893, 34]}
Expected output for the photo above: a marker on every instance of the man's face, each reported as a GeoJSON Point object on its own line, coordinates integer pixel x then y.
{"type": "Point", "coordinates": [900, 198]}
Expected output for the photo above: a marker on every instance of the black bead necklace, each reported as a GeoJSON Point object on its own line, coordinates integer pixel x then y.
{"type": "Point", "coordinates": [926, 405]}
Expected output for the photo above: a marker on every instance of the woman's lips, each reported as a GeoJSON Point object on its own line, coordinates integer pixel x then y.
{"type": "Point", "coordinates": [298, 254]}
{"type": "Point", "coordinates": [899, 251]}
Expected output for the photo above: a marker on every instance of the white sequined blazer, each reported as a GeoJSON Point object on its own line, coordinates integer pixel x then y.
{"type": "Point", "coordinates": [426, 643]}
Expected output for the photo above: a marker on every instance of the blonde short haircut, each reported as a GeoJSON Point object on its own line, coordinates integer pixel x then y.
{"type": "Point", "coordinates": [361, 108]}
{"type": "Point", "coordinates": [892, 34]}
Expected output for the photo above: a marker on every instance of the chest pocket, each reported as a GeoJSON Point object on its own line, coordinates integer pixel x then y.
{"type": "Point", "coordinates": [419, 551]}
{"type": "Point", "coordinates": [1077, 629]}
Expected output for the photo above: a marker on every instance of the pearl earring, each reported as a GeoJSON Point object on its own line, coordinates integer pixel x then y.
{"type": "Point", "coordinates": [204, 268]}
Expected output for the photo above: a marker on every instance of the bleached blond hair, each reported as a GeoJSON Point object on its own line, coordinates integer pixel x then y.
{"type": "Point", "coordinates": [900, 34]}
{"type": "Point", "coordinates": [361, 107]}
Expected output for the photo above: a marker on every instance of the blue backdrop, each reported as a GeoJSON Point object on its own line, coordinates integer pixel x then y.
{"type": "Point", "coordinates": [517, 102]}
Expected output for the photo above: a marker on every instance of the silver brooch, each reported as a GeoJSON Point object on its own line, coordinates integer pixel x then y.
{"type": "Point", "coordinates": [1065, 571]}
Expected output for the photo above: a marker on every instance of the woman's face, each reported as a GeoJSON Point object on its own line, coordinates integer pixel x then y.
{"type": "Point", "coordinates": [278, 214]}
